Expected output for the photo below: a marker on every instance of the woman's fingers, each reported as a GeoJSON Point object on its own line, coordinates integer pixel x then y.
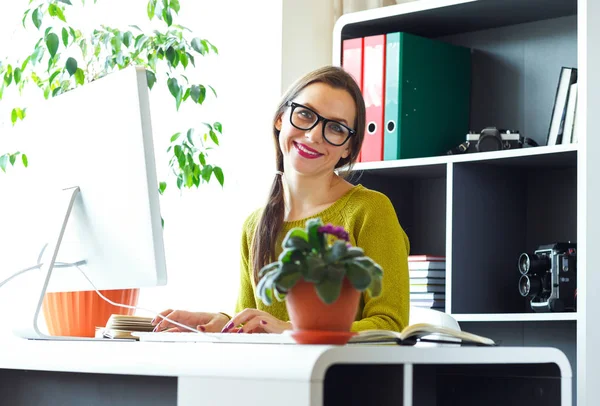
{"type": "Point", "coordinates": [241, 318]}
{"type": "Point", "coordinates": [214, 325]}
{"type": "Point", "coordinates": [157, 319]}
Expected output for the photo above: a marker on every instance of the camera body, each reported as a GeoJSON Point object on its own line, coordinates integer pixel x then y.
{"type": "Point", "coordinates": [549, 277]}
{"type": "Point", "coordinates": [491, 139]}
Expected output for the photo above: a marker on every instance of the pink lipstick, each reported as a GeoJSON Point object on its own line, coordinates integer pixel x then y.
{"type": "Point", "coordinates": [306, 152]}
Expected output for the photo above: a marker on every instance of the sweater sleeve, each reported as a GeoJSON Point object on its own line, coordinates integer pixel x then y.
{"type": "Point", "coordinates": [246, 289]}
{"type": "Point", "coordinates": [380, 235]}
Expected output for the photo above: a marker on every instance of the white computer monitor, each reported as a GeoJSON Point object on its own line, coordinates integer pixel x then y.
{"type": "Point", "coordinates": [91, 158]}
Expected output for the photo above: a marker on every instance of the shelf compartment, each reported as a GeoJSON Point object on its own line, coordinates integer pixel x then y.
{"type": "Point", "coordinates": [419, 198]}
{"type": "Point", "coordinates": [501, 208]}
{"type": "Point", "coordinates": [496, 317]}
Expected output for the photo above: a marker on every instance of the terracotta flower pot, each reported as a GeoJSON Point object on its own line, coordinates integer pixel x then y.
{"type": "Point", "coordinates": [79, 313]}
{"type": "Point", "coordinates": [316, 322]}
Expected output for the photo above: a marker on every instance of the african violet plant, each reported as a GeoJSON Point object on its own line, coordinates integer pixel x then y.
{"type": "Point", "coordinates": [307, 254]}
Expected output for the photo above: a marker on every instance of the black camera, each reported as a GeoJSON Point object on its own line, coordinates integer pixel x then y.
{"type": "Point", "coordinates": [491, 139]}
{"type": "Point", "coordinates": [549, 277]}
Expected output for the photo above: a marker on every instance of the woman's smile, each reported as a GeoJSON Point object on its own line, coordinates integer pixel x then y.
{"type": "Point", "coordinates": [305, 151]}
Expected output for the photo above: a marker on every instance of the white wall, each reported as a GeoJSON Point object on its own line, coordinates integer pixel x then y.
{"type": "Point", "coordinates": [307, 37]}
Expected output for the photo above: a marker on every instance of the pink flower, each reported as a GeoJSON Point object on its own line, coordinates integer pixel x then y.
{"type": "Point", "coordinates": [339, 232]}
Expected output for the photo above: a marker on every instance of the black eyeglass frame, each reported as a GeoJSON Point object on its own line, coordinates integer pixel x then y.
{"type": "Point", "coordinates": [320, 118]}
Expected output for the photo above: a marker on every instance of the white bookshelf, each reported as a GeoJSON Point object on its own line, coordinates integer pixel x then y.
{"type": "Point", "coordinates": [473, 208]}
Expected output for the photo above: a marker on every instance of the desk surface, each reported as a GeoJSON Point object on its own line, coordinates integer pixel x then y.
{"type": "Point", "coordinates": [290, 362]}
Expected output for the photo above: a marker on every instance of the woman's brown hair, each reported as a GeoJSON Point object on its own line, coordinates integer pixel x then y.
{"type": "Point", "coordinates": [271, 220]}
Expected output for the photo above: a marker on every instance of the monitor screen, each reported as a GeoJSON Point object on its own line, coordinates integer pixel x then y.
{"type": "Point", "coordinates": [97, 138]}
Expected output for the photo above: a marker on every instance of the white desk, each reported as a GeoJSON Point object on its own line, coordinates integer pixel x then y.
{"type": "Point", "coordinates": [119, 373]}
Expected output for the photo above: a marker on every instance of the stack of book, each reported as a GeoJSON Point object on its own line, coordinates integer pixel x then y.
{"type": "Point", "coordinates": [427, 281]}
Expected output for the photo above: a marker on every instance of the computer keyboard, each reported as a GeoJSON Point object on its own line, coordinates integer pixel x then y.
{"type": "Point", "coordinates": [254, 338]}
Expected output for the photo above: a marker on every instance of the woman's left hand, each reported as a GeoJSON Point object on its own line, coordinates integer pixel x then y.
{"type": "Point", "coordinates": [255, 321]}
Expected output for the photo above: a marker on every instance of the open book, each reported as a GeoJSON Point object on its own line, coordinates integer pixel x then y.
{"type": "Point", "coordinates": [422, 332]}
{"type": "Point", "coordinates": [121, 326]}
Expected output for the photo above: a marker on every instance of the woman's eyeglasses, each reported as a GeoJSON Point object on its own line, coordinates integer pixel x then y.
{"type": "Point", "coordinates": [304, 118]}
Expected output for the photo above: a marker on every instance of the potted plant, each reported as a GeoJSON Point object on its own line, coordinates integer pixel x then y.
{"type": "Point", "coordinates": [321, 276]}
{"type": "Point", "coordinates": [68, 54]}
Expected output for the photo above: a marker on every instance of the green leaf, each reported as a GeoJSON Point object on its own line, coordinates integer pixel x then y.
{"type": "Point", "coordinates": [375, 287]}
{"type": "Point", "coordinates": [330, 287]}
{"type": "Point", "coordinates": [183, 58]}
{"type": "Point", "coordinates": [25, 14]}
{"type": "Point", "coordinates": [354, 252]}
{"type": "Point", "coordinates": [3, 162]}
{"type": "Point", "coordinates": [190, 136]}
{"type": "Point", "coordinates": [13, 158]}
{"type": "Point", "coordinates": [127, 39]}
{"type": "Point", "coordinates": [296, 242]}
{"type": "Point", "coordinates": [53, 76]}
{"type": "Point", "coordinates": [151, 78]}
{"type": "Point", "coordinates": [358, 275]}
{"type": "Point", "coordinates": [60, 14]}
{"type": "Point", "coordinates": [207, 172]}
{"type": "Point", "coordinates": [174, 87]}
{"type": "Point", "coordinates": [8, 76]}
{"type": "Point", "coordinates": [175, 136]}
{"type": "Point", "coordinates": [214, 137]}
{"type": "Point", "coordinates": [289, 275]}
{"type": "Point", "coordinates": [65, 37]}
{"type": "Point", "coordinates": [219, 175]}
{"type": "Point", "coordinates": [140, 42]}
{"type": "Point", "coordinates": [151, 8]}
{"type": "Point", "coordinates": [218, 127]}
{"type": "Point", "coordinates": [272, 267]}
{"type": "Point", "coordinates": [167, 17]}
{"type": "Point", "coordinates": [198, 93]}
{"type": "Point", "coordinates": [179, 154]}
{"type": "Point", "coordinates": [197, 45]}
{"type": "Point", "coordinates": [36, 17]}
{"type": "Point", "coordinates": [24, 64]}
{"type": "Point", "coordinates": [17, 75]}
{"type": "Point", "coordinates": [179, 182]}
{"type": "Point", "coordinates": [316, 240]}
{"type": "Point", "coordinates": [213, 90]}
{"type": "Point", "coordinates": [79, 76]}
{"type": "Point", "coordinates": [191, 58]}
{"type": "Point", "coordinates": [71, 66]}
{"type": "Point", "coordinates": [13, 116]}
{"type": "Point", "coordinates": [52, 43]}
{"type": "Point", "coordinates": [202, 159]}
{"type": "Point", "coordinates": [314, 269]}
{"type": "Point", "coordinates": [204, 45]}
{"type": "Point", "coordinates": [174, 4]}
{"type": "Point", "coordinates": [25, 160]}
{"type": "Point", "coordinates": [66, 2]}
{"type": "Point", "coordinates": [337, 251]}
{"type": "Point", "coordinates": [172, 56]}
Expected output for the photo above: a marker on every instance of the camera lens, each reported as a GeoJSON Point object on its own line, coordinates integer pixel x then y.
{"type": "Point", "coordinates": [530, 285]}
{"type": "Point", "coordinates": [524, 263]}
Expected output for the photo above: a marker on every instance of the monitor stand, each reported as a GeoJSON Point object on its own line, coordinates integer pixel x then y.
{"type": "Point", "coordinates": [32, 331]}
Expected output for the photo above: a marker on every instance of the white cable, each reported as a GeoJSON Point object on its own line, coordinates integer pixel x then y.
{"type": "Point", "coordinates": [139, 308]}
{"type": "Point", "coordinates": [31, 268]}
{"type": "Point", "coordinates": [39, 265]}
{"type": "Point", "coordinates": [76, 264]}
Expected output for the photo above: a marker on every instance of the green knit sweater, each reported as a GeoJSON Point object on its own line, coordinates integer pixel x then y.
{"type": "Point", "coordinates": [371, 221]}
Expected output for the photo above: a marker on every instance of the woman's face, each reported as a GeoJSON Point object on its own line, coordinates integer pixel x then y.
{"type": "Point", "coordinates": [305, 151]}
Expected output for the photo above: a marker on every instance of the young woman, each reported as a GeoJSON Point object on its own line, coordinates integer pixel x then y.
{"type": "Point", "coordinates": [318, 127]}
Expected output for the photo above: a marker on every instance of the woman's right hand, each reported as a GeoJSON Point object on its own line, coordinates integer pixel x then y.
{"type": "Point", "coordinates": [208, 322]}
